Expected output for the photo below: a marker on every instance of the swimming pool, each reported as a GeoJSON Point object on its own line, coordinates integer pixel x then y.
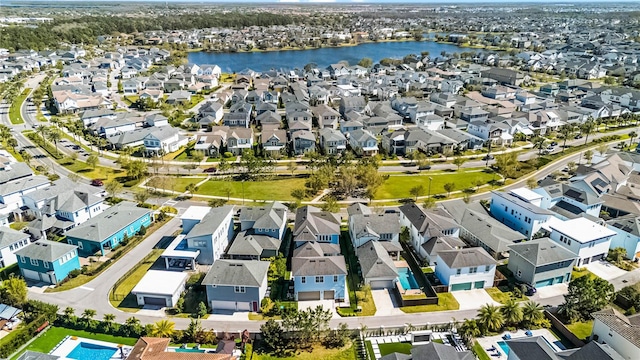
{"type": "Point", "coordinates": [189, 350]}
{"type": "Point", "coordinates": [87, 351]}
{"type": "Point", "coordinates": [407, 280]}
{"type": "Point", "coordinates": [505, 348]}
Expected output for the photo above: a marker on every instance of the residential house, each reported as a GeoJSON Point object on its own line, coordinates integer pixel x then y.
{"type": "Point", "coordinates": [352, 103]}
{"type": "Point", "coordinates": [213, 109]}
{"type": "Point", "coordinates": [432, 351]}
{"type": "Point", "coordinates": [239, 140]}
{"type": "Point", "coordinates": [627, 236]}
{"type": "Point", "coordinates": [568, 201]}
{"type": "Point", "coordinates": [239, 115]}
{"type": "Point", "coordinates": [378, 227]}
{"type": "Point", "coordinates": [208, 230]}
{"type": "Point", "coordinates": [332, 141]}
{"type": "Point", "coordinates": [269, 219]}
{"type": "Point", "coordinates": [319, 278]}
{"type": "Point", "coordinates": [541, 262]}
{"type": "Point", "coordinates": [520, 210]}
{"type": "Point", "coordinates": [465, 269]}
{"type": "Point", "coordinates": [620, 332]}
{"type": "Point", "coordinates": [10, 242]}
{"type": "Point", "coordinates": [363, 143]}
{"type": "Point", "coordinates": [303, 142]}
{"type": "Point", "coordinates": [273, 141]}
{"type": "Point", "coordinates": [17, 182]}
{"type": "Point", "coordinates": [105, 231]}
{"type": "Point", "coordinates": [250, 246]}
{"type": "Point", "coordinates": [539, 348]}
{"type": "Point", "coordinates": [378, 269]}
{"type": "Point", "coordinates": [164, 140]}
{"type": "Point", "coordinates": [179, 96]}
{"type": "Point", "coordinates": [504, 76]}
{"type": "Point", "coordinates": [150, 348]}
{"type": "Point", "coordinates": [424, 226]}
{"type": "Point", "coordinates": [327, 116]}
{"type": "Point", "coordinates": [236, 285]}
{"type": "Point", "coordinates": [584, 237]}
{"type": "Point", "coordinates": [313, 224]}
{"type": "Point", "coordinates": [209, 145]}
{"type": "Point", "coordinates": [47, 261]}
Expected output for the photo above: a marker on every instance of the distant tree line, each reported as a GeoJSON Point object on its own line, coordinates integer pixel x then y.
{"type": "Point", "coordinates": [86, 29]}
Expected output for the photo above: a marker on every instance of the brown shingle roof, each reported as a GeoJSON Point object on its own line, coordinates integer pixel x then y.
{"type": "Point", "coordinates": [150, 348]}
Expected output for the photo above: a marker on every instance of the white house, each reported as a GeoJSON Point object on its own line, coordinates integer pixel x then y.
{"type": "Point", "coordinates": [589, 240]}
{"type": "Point", "coordinates": [520, 210]}
{"type": "Point", "coordinates": [160, 288]}
{"type": "Point", "coordinates": [466, 269]}
{"type": "Point", "coordinates": [424, 226]}
{"type": "Point", "coordinates": [10, 241]}
{"type": "Point", "coordinates": [163, 140]}
{"type": "Point", "coordinates": [620, 332]}
{"type": "Point", "coordinates": [208, 230]}
{"type": "Point", "coordinates": [627, 236]}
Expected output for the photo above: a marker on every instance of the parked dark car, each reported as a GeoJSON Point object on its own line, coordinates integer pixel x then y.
{"type": "Point", "coordinates": [210, 170]}
{"type": "Point", "coordinates": [554, 143]}
{"type": "Point", "coordinates": [97, 182]}
{"type": "Point", "coordinates": [579, 136]}
{"type": "Point", "coordinates": [488, 157]}
{"type": "Point", "coordinates": [424, 167]}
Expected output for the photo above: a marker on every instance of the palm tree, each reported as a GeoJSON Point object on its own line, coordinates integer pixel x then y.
{"type": "Point", "coordinates": [532, 313]}
{"type": "Point", "coordinates": [566, 131]}
{"type": "Point", "coordinates": [54, 135]}
{"type": "Point", "coordinates": [632, 135]}
{"type": "Point", "coordinates": [512, 312]}
{"type": "Point", "coordinates": [26, 157]}
{"type": "Point", "coordinates": [588, 128]}
{"type": "Point", "coordinates": [490, 318]}
{"type": "Point", "coordinates": [163, 328]}
{"type": "Point", "coordinates": [88, 314]}
{"type": "Point", "coordinates": [469, 329]}
{"type": "Point", "coordinates": [41, 130]}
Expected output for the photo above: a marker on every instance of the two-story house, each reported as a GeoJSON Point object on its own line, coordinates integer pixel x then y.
{"type": "Point", "coordinates": [105, 231]}
{"type": "Point", "coordinates": [313, 224]}
{"type": "Point", "coordinates": [10, 242]}
{"type": "Point", "coordinates": [590, 241]}
{"type": "Point", "coordinates": [236, 285]}
{"type": "Point", "coordinates": [47, 261]}
{"type": "Point", "coordinates": [239, 140]}
{"type": "Point", "coordinates": [213, 109]}
{"type": "Point", "coordinates": [520, 210]}
{"type": "Point", "coordinates": [425, 226]}
{"type": "Point", "coordinates": [620, 332]}
{"type": "Point", "coordinates": [208, 230]}
{"type": "Point", "coordinates": [239, 115]}
{"type": "Point", "coordinates": [163, 140]}
{"type": "Point", "coordinates": [627, 236]}
{"type": "Point", "coordinates": [378, 268]}
{"type": "Point", "coordinates": [319, 278]}
{"type": "Point", "coordinates": [332, 141]}
{"type": "Point", "coordinates": [327, 116]}
{"type": "Point", "coordinates": [249, 246]}
{"type": "Point", "coordinates": [303, 142]}
{"type": "Point", "coordinates": [466, 269]}
{"type": "Point", "coordinates": [273, 141]}
{"type": "Point", "coordinates": [541, 262]}
{"type": "Point", "coordinates": [378, 227]}
{"type": "Point", "coordinates": [568, 201]}
{"type": "Point", "coordinates": [269, 219]}
{"type": "Point", "coordinates": [363, 143]}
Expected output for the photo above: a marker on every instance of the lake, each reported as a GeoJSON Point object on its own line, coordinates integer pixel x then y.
{"type": "Point", "coordinates": [290, 59]}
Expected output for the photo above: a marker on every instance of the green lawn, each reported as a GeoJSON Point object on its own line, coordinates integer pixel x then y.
{"type": "Point", "coordinates": [482, 355]}
{"type": "Point", "coordinates": [319, 352]}
{"type": "Point", "coordinates": [14, 110]}
{"type": "Point", "coordinates": [446, 301]}
{"type": "Point", "coordinates": [502, 296]}
{"type": "Point", "coordinates": [581, 329]}
{"type": "Point", "coordinates": [403, 348]}
{"type": "Point", "coordinates": [54, 335]}
{"type": "Point", "coordinates": [369, 347]}
{"type": "Point", "coordinates": [253, 190]}
{"type": "Point", "coordinates": [580, 272]}
{"type": "Point", "coordinates": [398, 186]}
{"type": "Point", "coordinates": [120, 297]}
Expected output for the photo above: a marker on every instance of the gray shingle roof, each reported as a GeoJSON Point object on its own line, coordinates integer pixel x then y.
{"type": "Point", "coordinates": [427, 223]}
{"type": "Point", "coordinates": [466, 257]}
{"type": "Point", "coordinates": [311, 221]}
{"type": "Point", "coordinates": [441, 243]}
{"type": "Point", "coordinates": [252, 244]}
{"type": "Point", "coordinates": [436, 351]}
{"type": "Point", "coordinates": [269, 216]}
{"type": "Point", "coordinates": [320, 265]}
{"type": "Point", "coordinates": [237, 273]}
{"type": "Point", "coordinates": [627, 327]}
{"type": "Point", "coordinates": [17, 170]}
{"type": "Point", "coordinates": [45, 250]}
{"type": "Point", "coordinates": [375, 261]}
{"type": "Point", "coordinates": [9, 236]}
{"type": "Point", "coordinates": [32, 355]}
{"type": "Point", "coordinates": [592, 351]}
{"type": "Point", "coordinates": [388, 223]}
{"type": "Point", "coordinates": [314, 248]}
{"type": "Point", "coordinates": [108, 222]}
{"type": "Point", "coordinates": [531, 348]}
{"type": "Point", "coordinates": [210, 222]}
{"type": "Point", "coordinates": [542, 251]}
{"type": "Point", "coordinates": [16, 185]}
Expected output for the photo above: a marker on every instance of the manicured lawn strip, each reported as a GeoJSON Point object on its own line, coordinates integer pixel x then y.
{"type": "Point", "coordinates": [123, 290]}
{"type": "Point", "coordinates": [446, 301]}
{"type": "Point", "coordinates": [479, 351]}
{"type": "Point", "coordinates": [581, 329]}
{"type": "Point", "coordinates": [54, 335]}
{"type": "Point", "coordinates": [403, 348]}
{"type": "Point", "coordinates": [253, 190]}
{"type": "Point", "coordinates": [319, 352]}
{"type": "Point", "coordinates": [14, 110]}
{"type": "Point", "coordinates": [369, 350]}
{"type": "Point", "coordinates": [576, 273]}
{"type": "Point", "coordinates": [398, 187]}
{"type": "Point", "coordinates": [502, 297]}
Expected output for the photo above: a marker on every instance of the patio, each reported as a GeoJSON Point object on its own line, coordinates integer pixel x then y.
{"type": "Point", "coordinates": [491, 342]}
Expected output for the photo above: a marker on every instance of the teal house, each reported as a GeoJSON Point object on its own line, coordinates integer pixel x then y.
{"type": "Point", "coordinates": [47, 261]}
{"type": "Point", "coordinates": [105, 231]}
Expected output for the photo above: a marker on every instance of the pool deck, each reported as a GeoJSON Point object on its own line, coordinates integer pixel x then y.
{"type": "Point", "coordinates": [403, 264]}
{"type": "Point", "coordinates": [489, 341]}
{"type": "Point", "coordinates": [67, 345]}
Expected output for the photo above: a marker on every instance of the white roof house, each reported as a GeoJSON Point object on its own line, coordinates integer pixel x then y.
{"type": "Point", "coordinates": [584, 237]}
{"type": "Point", "coordinates": [160, 288]}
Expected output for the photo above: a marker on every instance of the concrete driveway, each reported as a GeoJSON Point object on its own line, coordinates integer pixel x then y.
{"type": "Point", "coordinates": [605, 270]}
{"type": "Point", "coordinates": [547, 292]}
{"type": "Point", "coordinates": [473, 299]}
{"type": "Point", "coordinates": [385, 303]}
{"type": "Point", "coordinates": [312, 304]}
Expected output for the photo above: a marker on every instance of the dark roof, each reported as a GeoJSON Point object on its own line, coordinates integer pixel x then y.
{"type": "Point", "coordinates": [627, 327]}
{"type": "Point", "coordinates": [542, 251]}
{"type": "Point", "coordinates": [531, 348]}
{"type": "Point", "coordinates": [375, 261]}
{"type": "Point", "coordinates": [436, 351]}
{"type": "Point", "coordinates": [466, 258]}
{"type": "Point", "coordinates": [237, 273]}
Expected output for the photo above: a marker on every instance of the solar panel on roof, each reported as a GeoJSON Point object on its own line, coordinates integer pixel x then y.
{"type": "Point", "coordinates": [573, 194]}
{"type": "Point", "coordinates": [554, 191]}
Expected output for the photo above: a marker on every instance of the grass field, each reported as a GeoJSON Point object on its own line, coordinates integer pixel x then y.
{"type": "Point", "coordinates": [398, 186]}
{"type": "Point", "coordinates": [14, 110]}
{"type": "Point", "coordinates": [482, 355]}
{"type": "Point", "coordinates": [446, 301]}
{"type": "Point", "coordinates": [319, 352]}
{"type": "Point", "coordinates": [502, 296]}
{"type": "Point", "coordinates": [255, 190]}
{"type": "Point", "coordinates": [120, 297]}
{"type": "Point", "coordinates": [580, 272]}
{"type": "Point", "coordinates": [403, 348]}
{"type": "Point", "coordinates": [581, 329]}
{"type": "Point", "coordinates": [54, 335]}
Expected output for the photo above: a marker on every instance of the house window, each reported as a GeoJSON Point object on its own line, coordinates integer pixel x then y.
{"type": "Point", "coordinates": [458, 271]}
{"type": "Point", "coordinates": [46, 264]}
{"type": "Point", "coordinates": [303, 280]}
{"type": "Point", "coordinates": [335, 278]}
{"type": "Point", "coordinates": [486, 268]}
{"type": "Point", "coordinates": [519, 273]}
{"type": "Point", "coordinates": [319, 279]}
{"type": "Point", "coordinates": [34, 262]}
{"type": "Point", "coordinates": [80, 245]}
{"type": "Point", "coordinates": [22, 259]}
{"type": "Point", "coordinates": [473, 270]}
{"type": "Point", "coordinates": [240, 289]}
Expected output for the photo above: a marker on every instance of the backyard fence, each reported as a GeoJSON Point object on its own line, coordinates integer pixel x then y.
{"type": "Point", "coordinates": [556, 323]}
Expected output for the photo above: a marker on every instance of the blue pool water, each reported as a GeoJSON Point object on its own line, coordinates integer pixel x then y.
{"type": "Point", "coordinates": [406, 279]}
{"type": "Point", "coordinates": [86, 351]}
{"type": "Point", "coordinates": [505, 348]}
{"type": "Point", "coordinates": [189, 351]}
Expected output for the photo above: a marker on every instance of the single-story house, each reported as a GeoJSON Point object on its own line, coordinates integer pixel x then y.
{"type": "Point", "coordinates": [161, 288]}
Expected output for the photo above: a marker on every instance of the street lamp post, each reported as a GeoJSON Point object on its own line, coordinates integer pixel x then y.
{"type": "Point", "coordinates": [242, 192]}
{"type": "Point", "coordinates": [429, 193]}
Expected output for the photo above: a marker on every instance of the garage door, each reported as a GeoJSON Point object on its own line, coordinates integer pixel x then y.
{"type": "Point", "coordinates": [243, 306]}
{"type": "Point", "coordinates": [308, 295]}
{"type": "Point", "coordinates": [464, 286]}
{"type": "Point", "coordinates": [150, 300]}
{"type": "Point", "coordinates": [329, 294]}
{"type": "Point", "coordinates": [478, 285]}
{"type": "Point", "coordinates": [597, 257]}
{"type": "Point", "coordinates": [223, 305]}
{"type": "Point", "coordinates": [30, 274]}
{"type": "Point", "coordinates": [380, 284]}
{"type": "Point", "coordinates": [559, 280]}
{"type": "Point", "coordinates": [545, 282]}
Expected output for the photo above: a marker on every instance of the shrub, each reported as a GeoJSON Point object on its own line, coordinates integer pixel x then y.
{"type": "Point", "coordinates": [227, 155]}
{"type": "Point", "coordinates": [74, 273]}
{"type": "Point", "coordinates": [142, 231]}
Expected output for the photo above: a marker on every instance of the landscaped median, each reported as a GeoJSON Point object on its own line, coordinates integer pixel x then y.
{"type": "Point", "coordinates": [15, 115]}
